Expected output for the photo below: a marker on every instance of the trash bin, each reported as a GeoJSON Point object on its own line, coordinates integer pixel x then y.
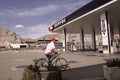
{"type": "Point", "coordinates": [50, 75]}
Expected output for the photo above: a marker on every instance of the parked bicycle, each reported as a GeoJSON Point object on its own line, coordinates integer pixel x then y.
{"type": "Point", "coordinates": [59, 62]}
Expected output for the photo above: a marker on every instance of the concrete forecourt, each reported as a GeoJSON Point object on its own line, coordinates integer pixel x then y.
{"type": "Point", "coordinates": [83, 65]}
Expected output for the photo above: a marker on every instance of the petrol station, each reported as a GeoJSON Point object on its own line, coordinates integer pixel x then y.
{"type": "Point", "coordinates": [98, 17]}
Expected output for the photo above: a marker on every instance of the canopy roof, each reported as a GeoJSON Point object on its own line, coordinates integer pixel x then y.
{"type": "Point", "coordinates": [88, 16]}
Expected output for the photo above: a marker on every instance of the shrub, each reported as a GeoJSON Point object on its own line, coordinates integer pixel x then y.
{"type": "Point", "coordinates": [35, 73]}
{"type": "Point", "coordinates": [31, 73]}
{"type": "Point", "coordinates": [114, 62]}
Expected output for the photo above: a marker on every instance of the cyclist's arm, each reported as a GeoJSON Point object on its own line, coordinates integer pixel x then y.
{"type": "Point", "coordinates": [55, 51]}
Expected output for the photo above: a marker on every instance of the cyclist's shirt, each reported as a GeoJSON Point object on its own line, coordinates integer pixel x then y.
{"type": "Point", "coordinates": [50, 47]}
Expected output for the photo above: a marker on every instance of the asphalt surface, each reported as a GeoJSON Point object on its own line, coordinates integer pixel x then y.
{"type": "Point", "coordinates": [82, 65]}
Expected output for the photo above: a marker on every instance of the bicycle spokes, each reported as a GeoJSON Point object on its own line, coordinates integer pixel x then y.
{"type": "Point", "coordinates": [42, 63]}
{"type": "Point", "coordinates": [61, 63]}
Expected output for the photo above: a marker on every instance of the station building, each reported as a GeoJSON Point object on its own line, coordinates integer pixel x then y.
{"type": "Point", "coordinates": [98, 17]}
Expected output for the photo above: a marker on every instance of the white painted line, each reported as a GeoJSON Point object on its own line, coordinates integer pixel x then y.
{"type": "Point", "coordinates": [15, 69]}
{"type": "Point", "coordinates": [20, 59]}
{"type": "Point", "coordinates": [18, 67]}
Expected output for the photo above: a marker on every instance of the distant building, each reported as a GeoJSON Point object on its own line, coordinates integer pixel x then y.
{"type": "Point", "coordinates": [18, 45]}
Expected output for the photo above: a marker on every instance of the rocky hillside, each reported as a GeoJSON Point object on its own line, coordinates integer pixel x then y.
{"type": "Point", "coordinates": [7, 36]}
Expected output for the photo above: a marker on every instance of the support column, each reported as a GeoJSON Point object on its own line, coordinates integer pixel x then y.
{"type": "Point", "coordinates": [94, 38]}
{"type": "Point", "coordinates": [82, 39]}
{"type": "Point", "coordinates": [64, 40]}
{"type": "Point", "coordinates": [113, 48]}
{"type": "Point", "coordinates": [112, 32]}
{"type": "Point", "coordinates": [105, 30]}
{"type": "Point", "coordinates": [119, 29]}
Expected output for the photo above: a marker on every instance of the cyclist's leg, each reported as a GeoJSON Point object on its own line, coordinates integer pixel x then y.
{"type": "Point", "coordinates": [49, 56]}
{"type": "Point", "coordinates": [53, 56]}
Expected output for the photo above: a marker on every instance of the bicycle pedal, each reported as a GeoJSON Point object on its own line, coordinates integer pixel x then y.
{"type": "Point", "coordinates": [68, 67]}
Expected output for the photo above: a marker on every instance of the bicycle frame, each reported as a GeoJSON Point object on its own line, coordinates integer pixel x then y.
{"type": "Point", "coordinates": [54, 59]}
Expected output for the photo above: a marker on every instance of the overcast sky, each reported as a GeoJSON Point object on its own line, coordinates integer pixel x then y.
{"type": "Point", "coordinates": [31, 18]}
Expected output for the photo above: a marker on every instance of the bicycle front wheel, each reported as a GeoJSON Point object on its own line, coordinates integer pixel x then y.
{"type": "Point", "coordinates": [42, 62]}
{"type": "Point", "coordinates": [61, 63]}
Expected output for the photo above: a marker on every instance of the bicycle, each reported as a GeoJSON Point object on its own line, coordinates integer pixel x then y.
{"type": "Point", "coordinates": [59, 62]}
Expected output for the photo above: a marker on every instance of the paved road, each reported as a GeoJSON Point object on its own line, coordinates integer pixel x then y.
{"type": "Point", "coordinates": [83, 65]}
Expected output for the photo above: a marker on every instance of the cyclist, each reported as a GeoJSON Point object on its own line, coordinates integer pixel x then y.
{"type": "Point", "coordinates": [51, 50]}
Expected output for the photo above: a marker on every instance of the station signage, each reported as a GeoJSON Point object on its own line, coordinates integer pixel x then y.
{"type": "Point", "coordinates": [104, 32]}
{"type": "Point", "coordinates": [61, 22]}
{"type": "Point", "coordinates": [103, 28]}
{"type": "Point", "coordinates": [51, 28]}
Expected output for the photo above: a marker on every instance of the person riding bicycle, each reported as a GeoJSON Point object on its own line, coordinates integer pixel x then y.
{"type": "Point", "coordinates": [51, 50]}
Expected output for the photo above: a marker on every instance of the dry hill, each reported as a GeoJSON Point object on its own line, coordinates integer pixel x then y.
{"type": "Point", "coordinates": [7, 36]}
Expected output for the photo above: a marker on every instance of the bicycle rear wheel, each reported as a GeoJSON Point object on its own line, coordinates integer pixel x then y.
{"type": "Point", "coordinates": [42, 62]}
{"type": "Point", "coordinates": [61, 63]}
